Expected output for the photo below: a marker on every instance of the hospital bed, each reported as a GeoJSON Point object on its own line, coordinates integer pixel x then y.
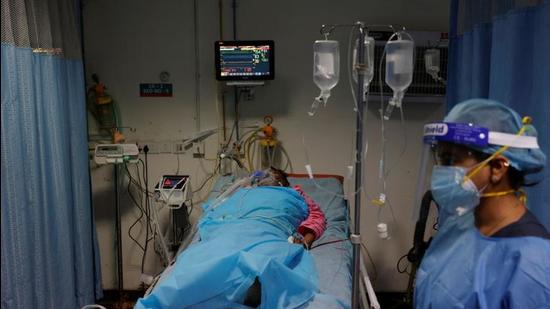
{"type": "Point", "coordinates": [332, 259]}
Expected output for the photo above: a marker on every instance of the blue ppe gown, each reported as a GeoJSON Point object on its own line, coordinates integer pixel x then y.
{"type": "Point", "coordinates": [465, 269]}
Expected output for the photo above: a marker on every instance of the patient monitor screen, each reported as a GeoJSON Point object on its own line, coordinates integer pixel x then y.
{"type": "Point", "coordinates": [168, 182]}
{"type": "Point", "coordinates": [244, 60]}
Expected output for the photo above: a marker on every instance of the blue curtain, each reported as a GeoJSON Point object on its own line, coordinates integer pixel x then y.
{"type": "Point", "coordinates": [49, 251]}
{"type": "Point", "coordinates": [501, 50]}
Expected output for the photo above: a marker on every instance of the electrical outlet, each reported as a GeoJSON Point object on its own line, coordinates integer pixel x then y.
{"type": "Point", "coordinates": [198, 155]}
{"type": "Point", "coordinates": [154, 148]}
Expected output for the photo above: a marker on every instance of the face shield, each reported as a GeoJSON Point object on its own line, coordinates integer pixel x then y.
{"type": "Point", "coordinates": [449, 160]}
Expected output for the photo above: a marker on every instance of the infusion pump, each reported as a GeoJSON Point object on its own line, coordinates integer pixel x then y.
{"type": "Point", "coordinates": [116, 153]}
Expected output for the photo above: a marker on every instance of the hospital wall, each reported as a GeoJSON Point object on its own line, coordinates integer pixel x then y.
{"type": "Point", "coordinates": [131, 42]}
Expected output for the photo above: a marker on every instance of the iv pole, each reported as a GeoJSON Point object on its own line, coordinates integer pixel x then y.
{"type": "Point", "coordinates": [355, 237]}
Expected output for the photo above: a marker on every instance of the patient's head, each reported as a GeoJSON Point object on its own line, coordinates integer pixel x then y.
{"type": "Point", "coordinates": [270, 178]}
{"type": "Point", "coordinates": [280, 177]}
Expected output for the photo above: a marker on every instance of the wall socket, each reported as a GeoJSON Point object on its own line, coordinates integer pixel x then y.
{"type": "Point", "coordinates": [176, 147]}
{"type": "Point", "coordinates": [153, 147]}
{"type": "Point", "coordinates": [198, 153]}
{"type": "Point", "coordinates": [156, 148]}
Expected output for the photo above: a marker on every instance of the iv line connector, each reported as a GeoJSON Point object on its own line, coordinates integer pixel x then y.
{"type": "Point", "coordinates": [355, 239]}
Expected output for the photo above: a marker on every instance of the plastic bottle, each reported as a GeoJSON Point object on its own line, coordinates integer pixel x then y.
{"type": "Point", "coordinates": [431, 61]}
{"type": "Point", "coordinates": [399, 70]}
{"type": "Point", "coordinates": [382, 229]}
{"type": "Point", "coordinates": [368, 67]}
{"type": "Point", "coordinates": [399, 64]}
{"type": "Point", "coordinates": [326, 69]}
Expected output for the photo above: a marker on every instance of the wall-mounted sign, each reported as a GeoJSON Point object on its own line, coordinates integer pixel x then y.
{"type": "Point", "coordinates": [155, 90]}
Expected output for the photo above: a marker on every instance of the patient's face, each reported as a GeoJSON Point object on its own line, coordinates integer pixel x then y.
{"type": "Point", "coordinates": [274, 178]}
{"type": "Point", "coordinates": [280, 178]}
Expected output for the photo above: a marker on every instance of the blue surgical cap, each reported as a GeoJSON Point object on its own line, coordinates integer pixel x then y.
{"type": "Point", "coordinates": [499, 118]}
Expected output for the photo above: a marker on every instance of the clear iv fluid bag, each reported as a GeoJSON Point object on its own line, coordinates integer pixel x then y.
{"type": "Point", "coordinates": [326, 70]}
{"type": "Point", "coordinates": [326, 64]}
{"type": "Point", "coordinates": [431, 60]}
{"type": "Point", "coordinates": [399, 64]}
{"type": "Point", "coordinates": [399, 71]}
{"type": "Point", "coordinates": [368, 67]}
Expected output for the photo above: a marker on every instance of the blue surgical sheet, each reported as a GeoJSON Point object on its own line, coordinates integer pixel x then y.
{"type": "Point", "coordinates": [242, 239]}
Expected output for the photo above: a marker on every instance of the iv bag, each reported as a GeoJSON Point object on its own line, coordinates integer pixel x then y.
{"type": "Point", "coordinates": [326, 64]}
{"type": "Point", "coordinates": [326, 70]}
{"type": "Point", "coordinates": [399, 64]}
{"type": "Point", "coordinates": [399, 71]}
{"type": "Point", "coordinates": [431, 61]}
{"type": "Point", "coordinates": [368, 67]}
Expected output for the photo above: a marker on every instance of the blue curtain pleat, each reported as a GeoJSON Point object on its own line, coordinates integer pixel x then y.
{"type": "Point", "coordinates": [49, 250]}
{"type": "Point", "coordinates": [506, 59]}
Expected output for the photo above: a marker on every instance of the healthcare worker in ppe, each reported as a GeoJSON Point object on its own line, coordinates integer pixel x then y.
{"type": "Point", "coordinates": [489, 251]}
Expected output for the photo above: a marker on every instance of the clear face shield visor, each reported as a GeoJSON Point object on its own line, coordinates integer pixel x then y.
{"type": "Point", "coordinates": [447, 145]}
{"type": "Point", "coordinates": [448, 163]}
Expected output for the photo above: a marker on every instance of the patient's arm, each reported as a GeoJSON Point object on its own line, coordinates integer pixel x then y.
{"type": "Point", "coordinates": [314, 226]}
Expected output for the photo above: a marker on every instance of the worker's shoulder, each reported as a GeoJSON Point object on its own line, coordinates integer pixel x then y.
{"type": "Point", "coordinates": [527, 225]}
{"type": "Point", "coordinates": [532, 250]}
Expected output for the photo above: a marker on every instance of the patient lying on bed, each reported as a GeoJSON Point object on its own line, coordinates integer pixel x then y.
{"type": "Point", "coordinates": [244, 258]}
{"type": "Point", "coordinates": [314, 226]}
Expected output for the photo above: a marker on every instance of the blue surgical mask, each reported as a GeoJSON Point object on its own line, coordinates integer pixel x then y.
{"type": "Point", "coordinates": [452, 191]}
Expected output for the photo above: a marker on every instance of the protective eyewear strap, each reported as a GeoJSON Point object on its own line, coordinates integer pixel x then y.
{"type": "Point", "coordinates": [525, 121]}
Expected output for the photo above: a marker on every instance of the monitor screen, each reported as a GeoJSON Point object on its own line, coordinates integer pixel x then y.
{"type": "Point", "coordinates": [245, 60]}
{"type": "Point", "coordinates": [169, 181]}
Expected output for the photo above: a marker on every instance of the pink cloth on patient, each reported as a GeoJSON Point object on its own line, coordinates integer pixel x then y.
{"type": "Point", "coordinates": [316, 218]}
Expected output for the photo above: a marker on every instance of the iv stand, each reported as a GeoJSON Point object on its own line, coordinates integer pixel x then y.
{"type": "Point", "coordinates": [120, 274]}
{"type": "Point", "coordinates": [355, 237]}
